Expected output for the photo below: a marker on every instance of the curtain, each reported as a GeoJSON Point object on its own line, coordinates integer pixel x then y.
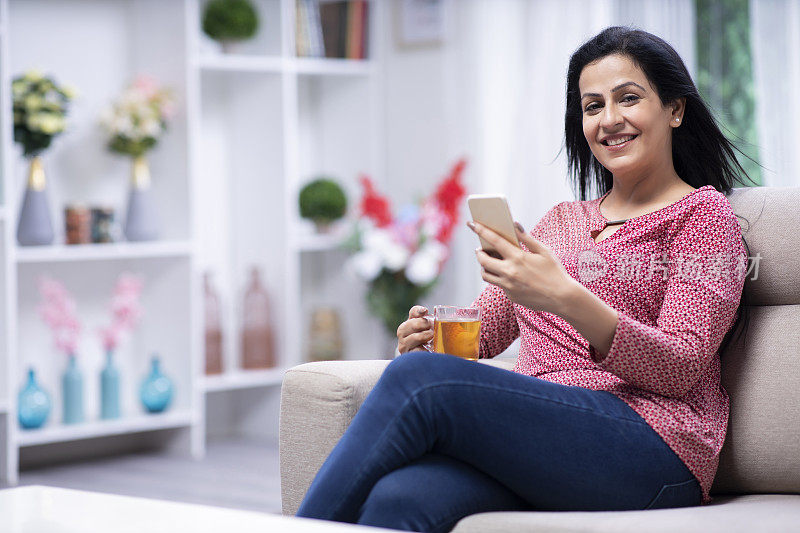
{"type": "Point", "coordinates": [775, 37]}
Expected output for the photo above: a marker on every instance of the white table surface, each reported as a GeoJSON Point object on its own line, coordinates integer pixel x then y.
{"type": "Point", "coordinates": [39, 509]}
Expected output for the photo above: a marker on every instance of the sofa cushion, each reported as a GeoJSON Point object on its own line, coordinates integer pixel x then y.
{"type": "Point", "coordinates": [770, 225]}
{"type": "Point", "coordinates": [750, 513]}
{"type": "Point", "coordinates": [762, 377]}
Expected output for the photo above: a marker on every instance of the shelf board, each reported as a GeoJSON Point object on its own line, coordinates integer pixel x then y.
{"type": "Point", "coordinates": [102, 252]}
{"type": "Point", "coordinates": [244, 379]}
{"type": "Point", "coordinates": [241, 63]}
{"type": "Point", "coordinates": [318, 243]}
{"type": "Point", "coordinates": [277, 64]}
{"type": "Point", "coordinates": [104, 428]}
{"type": "Point", "coordinates": [332, 67]}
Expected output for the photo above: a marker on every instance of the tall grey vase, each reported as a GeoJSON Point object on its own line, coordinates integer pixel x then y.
{"type": "Point", "coordinates": [35, 227]}
{"type": "Point", "coordinates": [141, 220]}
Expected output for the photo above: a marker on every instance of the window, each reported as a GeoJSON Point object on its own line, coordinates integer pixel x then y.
{"type": "Point", "coordinates": [725, 73]}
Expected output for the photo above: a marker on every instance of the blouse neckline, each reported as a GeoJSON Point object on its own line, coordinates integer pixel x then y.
{"type": "Point", "coordinates": [600, 221]}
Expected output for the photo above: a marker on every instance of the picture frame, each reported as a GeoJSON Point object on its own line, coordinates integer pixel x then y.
{"type": "Point", "coordinates": [420, 23]}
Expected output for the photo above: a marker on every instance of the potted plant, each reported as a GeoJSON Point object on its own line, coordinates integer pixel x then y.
{"type": "Point", "coordinates": [229, 22]}
{"type": "Point", "coordinates": [322, 201]}
{"type": "Point", "coordinates": [401, 257]}
{"type": "Point", "coordinates": [135, 124]}
{"type": "Point", "coordinates": [40, 112]}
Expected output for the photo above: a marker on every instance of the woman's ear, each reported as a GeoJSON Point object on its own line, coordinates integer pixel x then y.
{"type": "Point", "coordinates": [678, 109]}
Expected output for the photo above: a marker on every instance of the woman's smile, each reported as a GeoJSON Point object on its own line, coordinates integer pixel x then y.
{"type": "Point", "coordinates": [616, 143]}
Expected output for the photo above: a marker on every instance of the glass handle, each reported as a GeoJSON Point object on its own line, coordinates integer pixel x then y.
{"type": "Point", "coordinates": [428, 346]}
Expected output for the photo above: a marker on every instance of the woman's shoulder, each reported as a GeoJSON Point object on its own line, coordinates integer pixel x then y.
{"type": "Point", "coordinates": [706, 200]}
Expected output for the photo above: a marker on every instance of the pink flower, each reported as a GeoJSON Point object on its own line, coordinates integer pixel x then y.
{"type": "Point", "coordinates": [125, 310]}
{"type": "Point", "coordinates": [58, 311]}
{"type": "Point", "coordinates": [146, 85]}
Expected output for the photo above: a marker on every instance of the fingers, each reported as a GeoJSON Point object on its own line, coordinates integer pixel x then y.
{"type": "Point", "coordinates": [414, 341]}
{"type": "Point", "coordinates": [527, 239]}
{"type": "Point", "coordinates": [488, 262]}
{"type": "Point", "coordinates": [504, 247]}
{"type": "Point", "coordinates": [417, 311]}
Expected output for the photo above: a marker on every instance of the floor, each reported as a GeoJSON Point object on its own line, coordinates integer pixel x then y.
{"type": "Point", "coordinates": [234, 474]}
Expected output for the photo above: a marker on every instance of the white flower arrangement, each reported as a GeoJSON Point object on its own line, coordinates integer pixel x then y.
{"type": "Point", "coordinates": [138, 119]}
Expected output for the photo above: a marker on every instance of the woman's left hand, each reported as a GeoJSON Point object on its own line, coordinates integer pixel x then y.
{"type": "Point", "coordinates": [534, 279]}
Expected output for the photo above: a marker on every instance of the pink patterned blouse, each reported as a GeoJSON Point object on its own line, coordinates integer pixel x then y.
{"type": "Point", "coordinates": [675, 277]}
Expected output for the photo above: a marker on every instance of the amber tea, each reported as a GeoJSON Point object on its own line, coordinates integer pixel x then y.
{"type": "Point", "coordinates": [459, 337]}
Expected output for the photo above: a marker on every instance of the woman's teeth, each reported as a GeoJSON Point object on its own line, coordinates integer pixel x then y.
{"type": "Point", "coordinates": [614, 142]}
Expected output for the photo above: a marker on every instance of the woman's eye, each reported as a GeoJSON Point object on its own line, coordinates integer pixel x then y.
{"type": "Point", "coordinates": [592, 106]}
{"type": "Point", "coordinates": [630, 98]}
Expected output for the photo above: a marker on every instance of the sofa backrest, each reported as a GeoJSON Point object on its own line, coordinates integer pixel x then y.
{"type": "Point", "coordinates": [761, 372]}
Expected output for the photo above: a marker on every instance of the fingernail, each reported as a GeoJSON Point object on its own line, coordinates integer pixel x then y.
{"type": "Point", "coordinates": [519, 227]}
{"type": "Point", "coordinates": [471, 225]}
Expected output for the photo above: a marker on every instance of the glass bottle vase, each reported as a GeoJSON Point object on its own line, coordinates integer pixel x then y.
{"type": "Point", "coordinates": [109, 389]}
{"type": "Point", "coordinates": [72, 387]}
{"type": "Point", "coordinates": [33, 404]}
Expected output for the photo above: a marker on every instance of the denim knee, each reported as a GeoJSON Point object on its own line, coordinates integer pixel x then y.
{"type": "Point", "coordinates": [395, 505]}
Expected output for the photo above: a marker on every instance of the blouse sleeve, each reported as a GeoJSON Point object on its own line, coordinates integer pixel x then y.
{"type": "Point", "coordinates": [499, 327]}
{"type": "Point", "coordinates": [705, 279]}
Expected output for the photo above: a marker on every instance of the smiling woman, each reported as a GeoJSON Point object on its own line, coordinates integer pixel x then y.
{"type": "Point", "coordinates": [615, 400]}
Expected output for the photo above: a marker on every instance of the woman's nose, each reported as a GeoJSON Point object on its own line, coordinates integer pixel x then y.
{"type": "Point", "coordinates": [611, 117]}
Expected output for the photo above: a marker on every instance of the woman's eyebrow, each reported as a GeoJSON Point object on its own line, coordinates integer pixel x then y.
{"type": "Point", "coordinates": [615, 89]}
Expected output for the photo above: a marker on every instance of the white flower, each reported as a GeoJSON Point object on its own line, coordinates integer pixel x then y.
{"type": "Point", "coordinates": [150, 127]}
{"type": "Point", "coordinates": [367, 264]}
{"type": "Point", "coordinates": [393, 255]}
{"type": "Point", "coordinates": [423, 267]}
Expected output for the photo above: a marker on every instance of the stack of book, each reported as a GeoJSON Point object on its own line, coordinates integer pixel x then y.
{"type": "Point", "coordinates": [337, 29]}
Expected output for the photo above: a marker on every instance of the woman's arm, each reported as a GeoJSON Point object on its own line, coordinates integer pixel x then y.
{"type": "Point", "coordinates": [699, 307]}
{"type": "Point", "coordinates": [594, 319]}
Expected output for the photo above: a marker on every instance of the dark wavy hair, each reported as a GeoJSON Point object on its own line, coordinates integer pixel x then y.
{"type": "Point", "coordinates": [701, 154]}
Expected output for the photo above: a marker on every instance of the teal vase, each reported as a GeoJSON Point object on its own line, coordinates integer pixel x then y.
{"type": "Point", "coordinates": [72, 384]}
{"type": "Point", "coordinates": [33, 404]}
{"type": "Point", "coordinates": [156, 391]}
{"type": "Point", "coordinates": [109, 389]}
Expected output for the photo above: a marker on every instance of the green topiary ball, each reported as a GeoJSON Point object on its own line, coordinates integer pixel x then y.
{"type": "Point", "coordinates": [230, 20]}
{"type": "Point", "coordinates": [323, 201]}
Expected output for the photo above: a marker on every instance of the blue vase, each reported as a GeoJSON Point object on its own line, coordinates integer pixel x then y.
{"type": "Point", "coordinates": [35, 227]}
{"type": "Point", "coordinates": [72, 384]}
{"type": "Point", "coordinates": [33, 404]}
{"type": "Point", "coordinates": [109, 389]}
{"type": "Point", "coordinates": [156, 389]}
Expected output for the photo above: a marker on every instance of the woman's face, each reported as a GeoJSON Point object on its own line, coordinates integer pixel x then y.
{"type": "Point", "coordinates": [628, 129]}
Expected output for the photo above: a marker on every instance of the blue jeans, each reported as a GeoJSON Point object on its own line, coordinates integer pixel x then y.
{"type": "Point", "coordinates": [440, 438]}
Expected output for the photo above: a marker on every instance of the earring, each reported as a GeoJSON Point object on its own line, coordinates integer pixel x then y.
{"type": "Point", "coordinates": [677, 119]}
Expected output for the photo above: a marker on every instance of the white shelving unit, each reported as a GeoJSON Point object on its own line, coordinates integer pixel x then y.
{"type": "Point", "coordinates": [250, 130]}
{"type": "Point", "coordinates": [104, 252]}
{"type": "Point", "coordinates": [106, 428]}
{"type": "Point", "coordinates": [268, 122]}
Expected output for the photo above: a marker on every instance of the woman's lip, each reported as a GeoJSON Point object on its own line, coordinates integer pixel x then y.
{"type": "Point", "coordinates": [618, 147]}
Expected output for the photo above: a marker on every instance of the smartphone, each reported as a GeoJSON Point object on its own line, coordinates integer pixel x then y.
{"type": "Point", "coordinates": [492, 211]}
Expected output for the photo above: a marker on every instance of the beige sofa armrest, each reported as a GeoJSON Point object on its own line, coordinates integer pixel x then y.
{"type": "Point", "coordinates": [318, 401]}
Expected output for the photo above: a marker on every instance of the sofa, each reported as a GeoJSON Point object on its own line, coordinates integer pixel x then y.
{"type": "Point", "coordinates": [757, 487]}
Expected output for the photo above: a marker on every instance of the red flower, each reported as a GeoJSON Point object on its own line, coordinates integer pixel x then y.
{"type": "Point", "coordinates": [373, 205]}
{"type": "Point", "coordinates": [448, 197]}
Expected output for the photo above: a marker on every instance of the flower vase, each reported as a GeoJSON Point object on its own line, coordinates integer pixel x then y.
{"type": "Point", "coordinates": [109, 389]}
{"type": "Point", "coordinates": [156, 391]}
{"type": "Point", "coordinates": [72, 385]}
{"type": "Point", "coordinates": [33, 404]}
{"type": "Point", "coordinates": [141, 220]}
{"type": "Point", "coordinates": [35, 227]}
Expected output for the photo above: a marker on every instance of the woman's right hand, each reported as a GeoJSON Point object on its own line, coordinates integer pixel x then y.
{"type": "Point", "coordinates": [414, 332]}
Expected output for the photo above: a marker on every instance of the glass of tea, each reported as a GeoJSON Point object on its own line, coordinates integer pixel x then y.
{"type": "Point", "coordinates": [456, 331]}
